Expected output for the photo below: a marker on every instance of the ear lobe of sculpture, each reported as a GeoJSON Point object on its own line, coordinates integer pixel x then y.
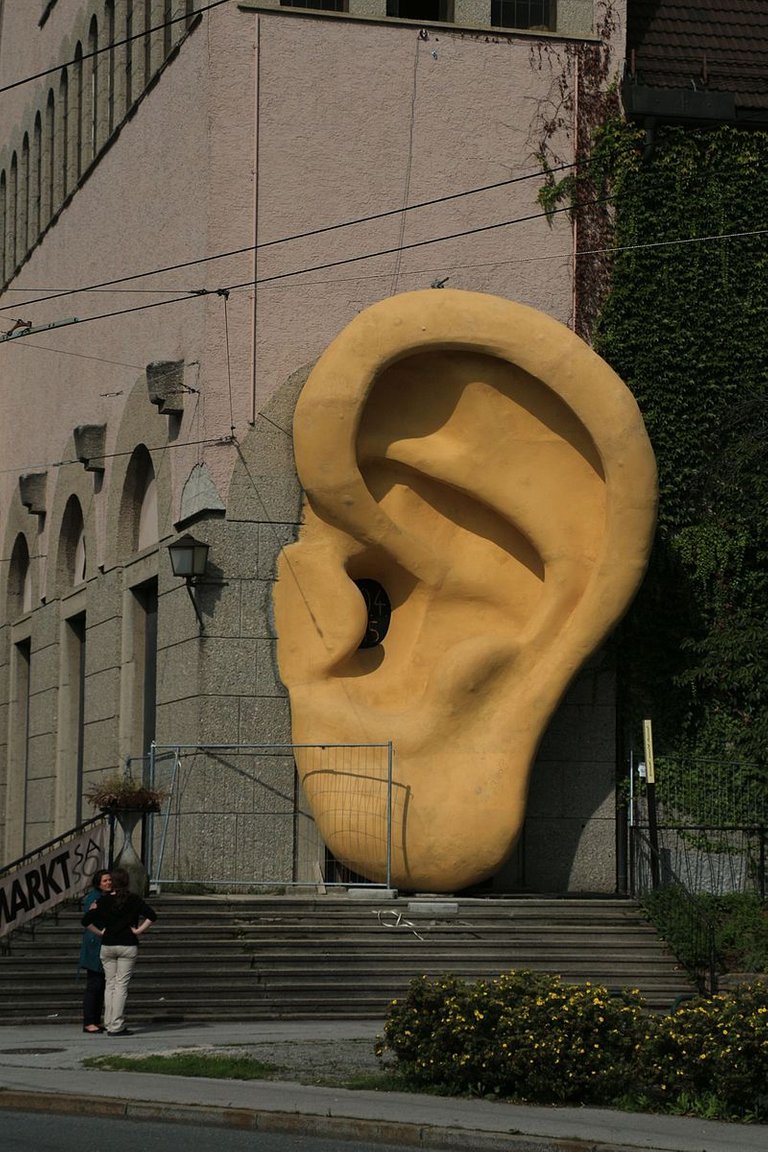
{"type": "Point", "coordinates": [491, 473]}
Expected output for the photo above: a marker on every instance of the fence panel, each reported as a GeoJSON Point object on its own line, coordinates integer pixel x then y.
{"type": "Point", "coordinates": [711, 823]}
{"type": "Point", "coordinates": [237, 816]}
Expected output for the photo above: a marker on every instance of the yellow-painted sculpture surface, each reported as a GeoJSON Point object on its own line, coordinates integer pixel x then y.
{"type": "Point", "coordinates": [494, 477]}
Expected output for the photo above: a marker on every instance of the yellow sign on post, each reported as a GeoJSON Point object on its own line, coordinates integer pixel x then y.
{"type": "Point", "coordinates": [650, 775]}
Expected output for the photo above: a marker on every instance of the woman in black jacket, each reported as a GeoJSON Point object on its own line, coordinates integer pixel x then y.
{"type": "Point", "coordinates": [119, 918]}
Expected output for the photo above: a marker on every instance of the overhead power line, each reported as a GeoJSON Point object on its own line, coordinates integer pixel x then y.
{"type": "Point", "coordinates": [222, 441]}
{"type": "Point", "coordinates": [104, 284]}
{"type": "Point", "coordinates": [111, 46]}
{"type": "Point", "coordinates": [199, 292]}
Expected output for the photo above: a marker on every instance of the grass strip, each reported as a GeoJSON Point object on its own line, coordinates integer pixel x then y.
{"type": "Point", "coordinates": [214, 1067]}
{"type": "Point", "coordinates": [219, 1066]}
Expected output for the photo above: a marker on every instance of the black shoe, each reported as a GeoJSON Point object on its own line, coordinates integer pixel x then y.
{"type": "Point", "coordinates": [93, 1031]}
{"type": "Point", "coordinates": [122, 1032]}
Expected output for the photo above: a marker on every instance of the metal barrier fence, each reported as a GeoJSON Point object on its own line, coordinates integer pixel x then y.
{"type": "Point", "coordinates": [699, 832]}
{"type": "Point", "coordinates": [711, 829]}
{"type": "Point", "coordinates": [236, 815]}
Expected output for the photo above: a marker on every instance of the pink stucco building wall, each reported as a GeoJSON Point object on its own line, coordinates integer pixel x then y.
{"type": "Point", "coordinates": [259, 182]}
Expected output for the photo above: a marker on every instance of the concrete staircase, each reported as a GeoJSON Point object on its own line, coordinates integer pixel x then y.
{"type": "Point", "coordinates": [266, 957]}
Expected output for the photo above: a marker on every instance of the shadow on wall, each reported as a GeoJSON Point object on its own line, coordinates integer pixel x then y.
{"type": "Point", "coordinates": [568, 841]}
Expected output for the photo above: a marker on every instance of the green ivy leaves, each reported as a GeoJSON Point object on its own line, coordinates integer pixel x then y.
{"type": "Point", "coordinates": [685, 324]}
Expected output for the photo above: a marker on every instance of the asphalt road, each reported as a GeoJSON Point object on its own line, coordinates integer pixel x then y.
{"type": "Point", "coordinates": [41, 1132]}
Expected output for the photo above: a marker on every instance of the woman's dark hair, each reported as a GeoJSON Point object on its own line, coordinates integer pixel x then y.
{"type": "Point", "coordinates": [120, 885]}
{"type": "Point", "coordinates": [96, 878]}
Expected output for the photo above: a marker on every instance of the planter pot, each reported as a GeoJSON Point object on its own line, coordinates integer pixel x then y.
{"type": "Point", "coordinates": [127, 857]}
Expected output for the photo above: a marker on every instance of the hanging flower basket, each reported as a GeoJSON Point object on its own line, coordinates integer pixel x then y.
{"type": "Point", "coordinates": [118, 793]}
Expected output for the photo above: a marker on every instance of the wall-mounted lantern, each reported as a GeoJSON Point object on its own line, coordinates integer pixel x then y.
{"type": "Point", "coordinates": [189, 560]}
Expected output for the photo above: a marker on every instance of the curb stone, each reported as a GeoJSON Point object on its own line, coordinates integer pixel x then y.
{"type": "Point", "coordinates": [338, 1127]}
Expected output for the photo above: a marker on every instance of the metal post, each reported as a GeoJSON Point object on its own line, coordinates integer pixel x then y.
{"type": "Point", "coordinates": [389, 814]}
{"type": "Point", "coordinates": [176, 762]}
{"type": "Point", "coordinates": [149, 846]}
{"type": "Point", "coordinates": [650, 783]}
{"type": "Point", "coordinates": [712, 959]}
{"type": "Point", "coordinates": [631, 831]}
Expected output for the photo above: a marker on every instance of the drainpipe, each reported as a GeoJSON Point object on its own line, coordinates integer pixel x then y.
{"type": "Point", "coordinates": [256, 144]}
{"type": "Point", "coordinates": [575, 215]}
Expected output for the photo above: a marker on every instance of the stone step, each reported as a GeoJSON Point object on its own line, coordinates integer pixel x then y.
{"type": "Point", "coordinates": [319, 915]}
{"type": "Point", "coordinates": [166, 976]}
{"type": "Point", "coordinates": [268, 958]}
{"type": "Point", "coordinates": [351, 910]}
{"type": "Point", "coordinates": [501, 961]}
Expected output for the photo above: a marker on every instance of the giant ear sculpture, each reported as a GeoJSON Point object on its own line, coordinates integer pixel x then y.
{"type": "Point", "coordinates": [492, 475]}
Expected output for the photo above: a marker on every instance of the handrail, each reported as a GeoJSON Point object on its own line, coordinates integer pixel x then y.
{"type": "Point", "coordinates": [31, 855]}
{"type": "Point", "coordinates": [39, 881]}
{"type": "Point", "coordinates": [688, 931]}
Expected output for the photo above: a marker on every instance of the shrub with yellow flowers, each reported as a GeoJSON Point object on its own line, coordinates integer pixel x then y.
{"type": "Point", "coordinates": [531, 1037]}
{"type": "Point", "coordinates": [711, 1055]}
{"type": "Point", "coordinates": [524, 1034]}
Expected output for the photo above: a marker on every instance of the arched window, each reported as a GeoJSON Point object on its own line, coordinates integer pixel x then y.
{"type": "Point", "coordinates": [19, 580]}
{"type": "Point", "coordinates": [93, 90]}
{"type": "Point", "coordinates": [128, 53]}
{"type": "Point", "coordinates": [168, 28]}
{"type": "Point", "coordinates": [13, 210]}
{"type": "Point", "coordinates": [49, 168]}
{"type": "Point", "coordinates": [37, 176]}
{"type": "Point", "coordinates": [109, 32]}
{"type": "Point", "coordinates": [24, 241]}
{"type": "Point", "coordinates": [64, 141]}
{"type": "Point", "coordinates": [139, 520]}
{"type": "Point", "coordinates": [147, 41]}
{"type": "Point", "coordinates": [72, 554]}
{"type": "Point", "coordinates": [81, 559]}
{"type": "Point", "coordinates": [3, 225]}
{"type": "Point", "coordinates": [148, 529]}
{"type": "Point", "coordinates": [78, 110]}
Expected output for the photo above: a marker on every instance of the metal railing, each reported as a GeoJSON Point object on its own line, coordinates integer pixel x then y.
{"type": "Point", "coordinates": [59, 870]}
{"type": "Point", "coordinates": [42, 849]}
{"type": "Point", "coordinates": [699, 832]}
{"type": "Point", "coordinates": [236, 816]}
{"type": "Point", "coordinates": [672, 907]}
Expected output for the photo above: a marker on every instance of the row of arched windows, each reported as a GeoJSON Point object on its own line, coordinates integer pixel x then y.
{"type": "Point", "coordinates": [93, 95]}
{"type": "Point", "coordinates": [138, 514]}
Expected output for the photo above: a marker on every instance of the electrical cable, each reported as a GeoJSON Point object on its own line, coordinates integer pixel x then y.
{"type": "Point", "coordinates": [421, 243]}
{"type": "Point", "coordinates": [190, 16]}
{"type": "Point", "coordinates": [108, 284]}
{"type": "Point", "coordinates": [408, 167]}
{"type": "Point", "coordinates": [225, 297]}
{"type": "Point", "coordinates": [585, 252]}
{"type": "Point", "coordinates": [223, 441]}
{"type": "Point", "coordinates": [200, 292]}
{"type": "Point", "coordinates": [85, 356]}
{"type": "Point", "coordinates": [563, 256]}
{"type": "Point", "coordinates": [111, 285]}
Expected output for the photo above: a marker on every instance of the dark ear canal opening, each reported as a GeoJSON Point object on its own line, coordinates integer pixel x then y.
{"type": "Point", "coordinates": [379, 609]}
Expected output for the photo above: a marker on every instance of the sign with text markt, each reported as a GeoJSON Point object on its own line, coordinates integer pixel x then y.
{"type": "Point", "coordinates": [61, 874]}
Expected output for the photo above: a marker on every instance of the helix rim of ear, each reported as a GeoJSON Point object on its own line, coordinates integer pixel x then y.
{"type": "Point", "coordinates": [344, 517]}
{"type": "Point", "coordinates": [331, 404]}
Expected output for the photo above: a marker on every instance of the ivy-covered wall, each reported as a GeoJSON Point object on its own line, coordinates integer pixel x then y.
{"type": "Point", "coordinates": [685, 324]}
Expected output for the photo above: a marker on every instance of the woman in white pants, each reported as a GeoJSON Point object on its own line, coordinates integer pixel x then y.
{"type": "Point", "coordinates": [119, 918]}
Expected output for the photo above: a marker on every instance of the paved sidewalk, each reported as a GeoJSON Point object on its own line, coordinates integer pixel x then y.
{"type": "Point", "coordinates": [41, 1069]}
